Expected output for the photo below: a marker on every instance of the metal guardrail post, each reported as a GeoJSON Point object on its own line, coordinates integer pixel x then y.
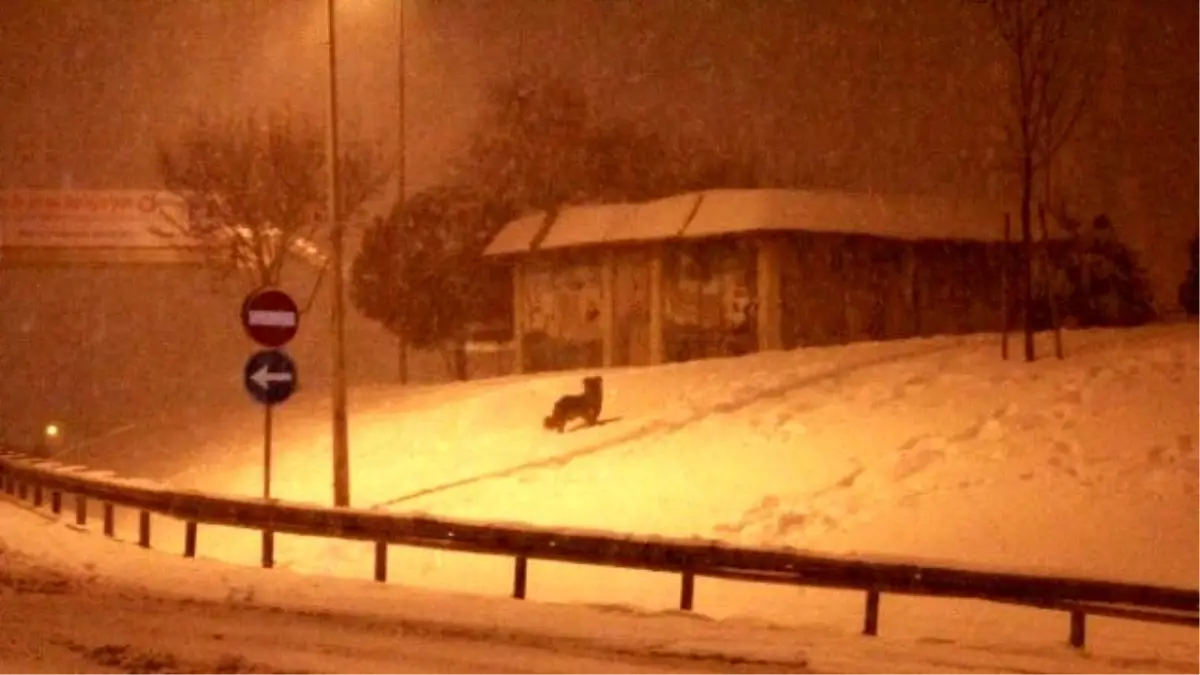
{"type": "Point", "coordinates": [189, 539]}
{"type": "Point", "coordinates": [80, 510]}
{"type": "Point", "coordinates": [144, 529]}
{"type": "Point", "coordinates": [56, 502]}
{"type": "Point", "coordinates": [381, 561]}
{"type": "Point", "coordinates": [871, 616]}
{"type": "Point", "coordinates": [268, 549]}
{"type": "Point", "coordinates": [110, 520]}
{"type": "Point", "coordinates": [687, 591]}
{"type": "Point", "coordinates": [520, 577]}
{"type": "Point", "coordinates": [1078, 629]}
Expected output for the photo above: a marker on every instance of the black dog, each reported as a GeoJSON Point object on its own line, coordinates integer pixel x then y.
{"type": "Point", "coordinates": [585, 406]}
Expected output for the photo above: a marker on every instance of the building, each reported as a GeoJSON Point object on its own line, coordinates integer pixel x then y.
{"type": "Point", "coordinates": [111, 318]}
{"type": "Point", "coordinates": [728, 272]}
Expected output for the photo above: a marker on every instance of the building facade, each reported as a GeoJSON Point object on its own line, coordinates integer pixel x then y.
{"type": "Point", "coordinates": [729, 272]}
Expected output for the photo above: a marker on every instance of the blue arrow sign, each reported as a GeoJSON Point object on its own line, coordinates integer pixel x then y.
{"type": "Point", "coordinates": [270, 376]}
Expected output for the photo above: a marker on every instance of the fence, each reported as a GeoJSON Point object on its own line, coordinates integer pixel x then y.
{"type": "Point", "coordinates": [29, 478]}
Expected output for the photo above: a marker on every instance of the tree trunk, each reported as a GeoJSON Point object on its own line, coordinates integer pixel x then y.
{"type": "Point", "coordinates": [402, 359]}
{"type": "Point", "coordinates": [454, 353]}
{"type": "Point", "coordinates": [1049, 272]}
{"type": "Point", "coordinates": [460, 361]}
{"type": "Point", "coordinates": [1026, 275]}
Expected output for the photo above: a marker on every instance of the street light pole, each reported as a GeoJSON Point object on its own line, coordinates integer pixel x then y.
{"type": "Point", "coordinates": [401, 149]}
{"type": "Point", "coordinates": [341, 435]}
{"type": "Point", "coordinates": [401, 154]}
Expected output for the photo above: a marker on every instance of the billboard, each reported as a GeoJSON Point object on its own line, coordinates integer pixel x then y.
{"type": "Point", "coordinates": [91, 219]}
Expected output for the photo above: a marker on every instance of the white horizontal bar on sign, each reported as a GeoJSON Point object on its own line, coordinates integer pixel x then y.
{"type": "Point", "coordinates": [277, 319]}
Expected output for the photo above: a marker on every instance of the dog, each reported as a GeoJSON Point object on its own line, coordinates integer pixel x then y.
{"type": "Point", "coordinates": [585, 406]}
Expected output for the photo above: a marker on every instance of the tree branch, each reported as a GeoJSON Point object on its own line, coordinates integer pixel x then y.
{"type": "Point", "coordinates": [254, 188]}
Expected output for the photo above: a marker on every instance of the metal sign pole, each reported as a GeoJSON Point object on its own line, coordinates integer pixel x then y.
{"type": "Point", "coordinates": [270, 317]}
{"type": "Point", "coordinates": [267, 451]}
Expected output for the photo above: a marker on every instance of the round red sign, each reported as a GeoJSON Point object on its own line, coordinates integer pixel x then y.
{"type": "Point", "coordinates": [270, 317]}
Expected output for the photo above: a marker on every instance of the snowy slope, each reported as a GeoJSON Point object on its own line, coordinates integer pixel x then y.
{"type": "Point", "coordinates": [931, 448]}
{"type": "Point", "coordinates": [822, 448]}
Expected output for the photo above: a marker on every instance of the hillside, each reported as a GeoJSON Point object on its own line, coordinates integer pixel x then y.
{"type": "Point", "coordinates": [931, 448]}
{"type": "Point", "coordinates": [805, 448]}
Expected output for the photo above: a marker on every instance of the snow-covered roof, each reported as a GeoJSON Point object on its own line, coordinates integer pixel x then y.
{"type": "Point", "coordinates": [721, 212]}
{"type": "Point", "coordinates": [657, 220]}
{"type": "Point", "coordinates": [620, 223]}
{"type": "Point", "coordinates": [518, 236]}
{"type": "Point", "coordinates": [894, 216]}
{"type": "Point", "coordinates": [580, 226]}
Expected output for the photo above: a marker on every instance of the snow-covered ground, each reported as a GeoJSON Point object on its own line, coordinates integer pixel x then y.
{"type": "Point", "coordinates": [931, 448]}
{"type": "Point", "coordinates": [74, 601]}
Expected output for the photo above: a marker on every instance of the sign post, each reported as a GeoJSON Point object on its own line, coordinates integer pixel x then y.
{"type": "Point", "coordinates": [270, 379]}
{"type": "Point", "coordinates": [271, 318]}
{"type": "Point", "coordinates": [267, 452]}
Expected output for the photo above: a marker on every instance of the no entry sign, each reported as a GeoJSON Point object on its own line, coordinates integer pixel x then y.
{"type": "Point", "coordinates": [270, 317]}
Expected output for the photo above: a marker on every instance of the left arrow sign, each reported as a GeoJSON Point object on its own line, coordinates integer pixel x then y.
{"type": "Point", "coordinates": [264, 377]}
{"type": "Point", "coordinates": [270, 376]}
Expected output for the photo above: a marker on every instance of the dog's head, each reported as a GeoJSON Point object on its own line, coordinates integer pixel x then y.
{"type": "Point", "coordinates": [593, 384]}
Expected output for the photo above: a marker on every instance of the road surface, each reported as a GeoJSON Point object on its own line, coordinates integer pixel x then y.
{"type": "Point", "coordinates": [50, 626]}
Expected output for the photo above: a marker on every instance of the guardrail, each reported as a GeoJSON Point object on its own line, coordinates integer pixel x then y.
{"type": "Point", "coordinates": [29, 478]}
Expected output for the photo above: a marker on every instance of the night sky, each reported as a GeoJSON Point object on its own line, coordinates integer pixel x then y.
{"type": "Point", "coordinates": [903, 95]}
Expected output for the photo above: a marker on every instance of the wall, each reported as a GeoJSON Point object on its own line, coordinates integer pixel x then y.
{"type": "Point", "coordinates": [708, 297]}
{"type": "Point", "coordinates": [562, 304]}
{"type": "Point", "coordinates": [841, 288]}
{"type": "Point", "coordinates": [811, 292]}
{"type": "Point", "coordinates": [834, 289]}
{"type": "Point", "coordinates": [708, 304]}
{"type": "Point", "coordinates": [958, 287]}
{"type": "Point", "coordinates": [631, 306]}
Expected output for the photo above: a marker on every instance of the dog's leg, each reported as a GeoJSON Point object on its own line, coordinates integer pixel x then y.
{"type": "Point", "coordinates": [593, 416]}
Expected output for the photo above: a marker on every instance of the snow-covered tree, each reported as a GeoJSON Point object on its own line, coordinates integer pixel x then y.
{"type": "Point", "coordinates": [1098, 277]}
{"type": "Point", "coordinates": [255, 189]}
{"type": "Point", "coordinates": [631, 161]}
{"type": "Point", "coordinates": [1189, 290]}
{"type": "Point", "coordinates": [528, 152]}
{"type": "Point", "coordinates": [541, 146]}
{"type": "Point", "coordinates": [421, 273]}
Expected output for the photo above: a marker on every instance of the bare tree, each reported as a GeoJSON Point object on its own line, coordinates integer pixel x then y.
{"type": "Point", "coordinates": [1053, 75]}
{"type": "Point", "coordinates": [255, 189]}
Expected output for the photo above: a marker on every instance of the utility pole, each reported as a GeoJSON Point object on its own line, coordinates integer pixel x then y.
{"type": "Point", "coordinates": [401, 155]}
{"type": "Point", "coordinates": [341, 432]}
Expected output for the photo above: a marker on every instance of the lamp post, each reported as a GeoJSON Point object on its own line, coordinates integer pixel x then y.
{"type": "Point", "coordinates": [341, 432]}
{"type": "Point", "coordinates": [401, 155]}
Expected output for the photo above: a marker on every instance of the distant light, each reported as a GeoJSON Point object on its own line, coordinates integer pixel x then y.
{"type": "Point", "coordinates": [52, 431]}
